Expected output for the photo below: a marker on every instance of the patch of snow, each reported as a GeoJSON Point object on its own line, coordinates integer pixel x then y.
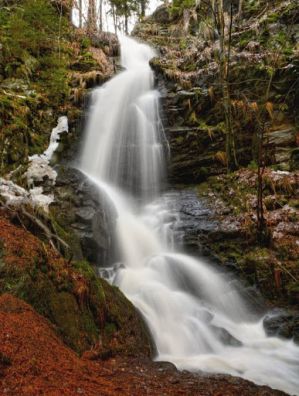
{"type": "Point", "coordinates": [39, 168]}
{"type": "Point", "coordinates": [40, 199]}
{"type": "Point", "coordinates": [12, 193]}
{"type": "Point", "coordinates": [279, 172]}
{"type": "Point", "coordinates": [62, 126]}
{"type": "Point", "coordinates": [15, 195]}
{"type": "Point", "coordinates": [39, 171]}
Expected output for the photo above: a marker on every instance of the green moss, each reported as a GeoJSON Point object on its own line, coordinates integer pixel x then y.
{"type": "Point", "coordinates": [125, 323]}
{"type": "Point", "coordinates": [272, 18]}
{"type": "Point", "coordinates": [203, 189]}
{"type": "Point", "coordinates": [85, 42]}
{"type": "Point", "coordinates": [110, 329]}
{"type": "Point", "coordinates": [202, 173]}
{"type": "Point", "coordinates": [294, 203]}
{"type": "Point", "coordinates": [60, 221]}
{"type": "Point", "coordinates": [179, 140]}
{"type": "Point", "coordinates": [33, 78]}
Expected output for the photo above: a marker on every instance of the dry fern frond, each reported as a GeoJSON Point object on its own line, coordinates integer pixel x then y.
{"type": "Point", "coordinates": [221, 157]}
{"type": "Point", "coordinates": [269, 108]}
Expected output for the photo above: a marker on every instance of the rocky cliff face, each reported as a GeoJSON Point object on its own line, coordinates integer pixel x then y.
{"type": "Point", "coordinates": [264, 57]}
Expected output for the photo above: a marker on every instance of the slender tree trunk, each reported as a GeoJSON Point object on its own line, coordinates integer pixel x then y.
{"type": "Point", "coordinates": [114, 19]}
{"type": "Point", "coordinates": [126, 24]}
{"type": "Point", "coordinates": [224, 64]}
{"type": "Point", "coordinates": [80, 14]}
{"type": "Point", "coordinates": [142, 8]}
{"type": "Point", "coordinates": [101, 15]}
{"type": "Point", "coordinates": [262, 231]}
{"type": "Point", "coordinates": [240, 9]}
{"type": "Point", "coordinates": [92, 17]}
{"type": "Point", "coordinates": [261, 223]}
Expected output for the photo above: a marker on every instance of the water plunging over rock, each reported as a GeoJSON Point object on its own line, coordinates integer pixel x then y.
{"type": "Point", "coordinates": [131, 143]}
{"type": "Point", "coordinates": [198, 319]}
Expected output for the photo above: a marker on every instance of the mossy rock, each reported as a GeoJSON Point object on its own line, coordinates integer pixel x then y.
{"type": "Point", "coordinates": [124, 322]}
{"type": "Point", "coordinates": [86, 310]}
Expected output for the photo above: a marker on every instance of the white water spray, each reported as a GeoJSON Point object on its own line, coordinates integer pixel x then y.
{"type": "Point", "coordinates": [197, 319]}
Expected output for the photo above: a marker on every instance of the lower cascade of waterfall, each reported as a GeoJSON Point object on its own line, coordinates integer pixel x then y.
{"type": "Point", "coordinates": [197, 318]}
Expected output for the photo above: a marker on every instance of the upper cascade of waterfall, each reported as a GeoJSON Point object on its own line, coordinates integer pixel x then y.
{"type": "Point", "coordinates": [135, 55]}
{"type": "Point", "coordinates": [125, 144]}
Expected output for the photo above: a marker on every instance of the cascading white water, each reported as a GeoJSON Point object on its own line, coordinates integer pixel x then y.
{"type": "Point", "coordinates": [131, 147]}
{"type": "Point", "coordinates": [197, 319]}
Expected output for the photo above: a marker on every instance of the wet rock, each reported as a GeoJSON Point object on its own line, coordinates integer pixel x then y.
{"type": "Point", "coordinates": [225, 336]}
{"type": "Point", "coordinates": [86, 215]}
{"type": "Point", "coordinates": [283, 324]}
{"type": "Point", "coordinates": [165, 367]}
{"type": "Point", "coordinates": [195, 220]}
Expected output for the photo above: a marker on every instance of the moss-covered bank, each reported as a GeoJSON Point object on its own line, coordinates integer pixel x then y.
{"type": "Point", "coordinates": [86, 310]}
{"type": "Point", "coordinates": [46, 66]}
{"type": "Point", "coordinates": [272, 267]}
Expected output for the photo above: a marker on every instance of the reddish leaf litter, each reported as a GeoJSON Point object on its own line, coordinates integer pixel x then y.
{"type": "Point", "coordinates": [34, 361]}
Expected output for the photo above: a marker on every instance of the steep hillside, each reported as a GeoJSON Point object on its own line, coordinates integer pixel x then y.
{"type": "Point", "coordinates": [45, 68]}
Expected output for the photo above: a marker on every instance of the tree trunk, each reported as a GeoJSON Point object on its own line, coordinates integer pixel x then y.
{"type": "Point", "coordinates": [126, 24]}
{"type": "Point", "coordinates": [114, 19]}
{"type": "Point", "coordinates": [80, 14]}
{"type": "Point", "coordinates": [65, 6]}
{"type": "Point", "coordinates": [224, 63]}
{"type": "Point", "coordinates": [101, 15]}
{"type": "Point", "coordinates": [240, 9]}
{"type": "Point", "coordinates": [261, 223]}
{"type": "Point", "coordinates": [92, 17]}
{"type": "Point", "coordinates": [142, 7]}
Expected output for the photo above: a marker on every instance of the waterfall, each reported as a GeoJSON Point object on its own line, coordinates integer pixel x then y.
{"type": "Point", "coordinates": [197, 319]}
{"type": "Point", "coordinates": [124, 126]}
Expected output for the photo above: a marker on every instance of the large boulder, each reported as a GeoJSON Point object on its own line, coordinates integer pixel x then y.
{"type": "Point", "coordinates": [84, 217]}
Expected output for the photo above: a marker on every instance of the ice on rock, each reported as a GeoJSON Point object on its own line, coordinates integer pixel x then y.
{"type": "Point", "coordinates": [62, 126]}
{"type": "Point", "coordinates": [39, 168]}
{"type": "Point", "coordinates": [38, 171]}
{"type": "Point", "coordinates": [12, 193]}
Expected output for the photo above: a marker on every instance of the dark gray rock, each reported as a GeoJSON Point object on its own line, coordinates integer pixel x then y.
{"type": "Point", "coordinates": [86, 215]}
{"type": "Point", "coordinates": [283, 324]}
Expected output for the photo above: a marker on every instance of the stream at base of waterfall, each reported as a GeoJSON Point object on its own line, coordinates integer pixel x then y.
{"type": "Point", "coordinates": [197, 318]}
